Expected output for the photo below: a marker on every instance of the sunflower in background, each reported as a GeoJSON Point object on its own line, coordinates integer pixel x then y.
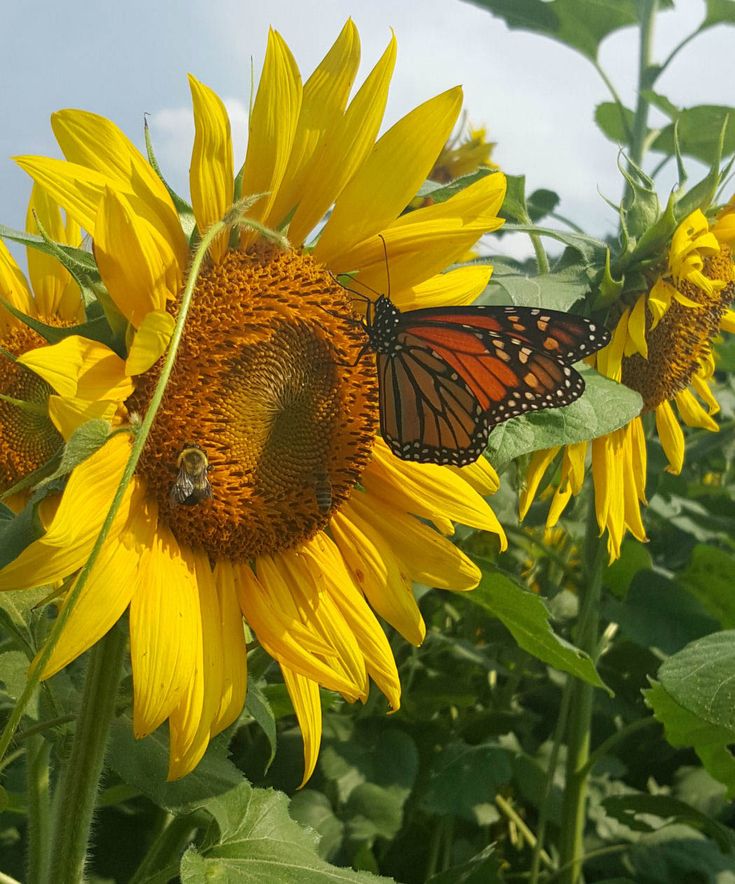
{"type": "Point", "coordinates": [313, 527]}
{"type": "Point", "coordinates": [662, 347]}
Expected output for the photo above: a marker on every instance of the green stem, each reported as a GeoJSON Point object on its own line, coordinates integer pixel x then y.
{"type": "Point", "coordinates": [614, 92]}
{"type": "Point", "coordinates": [23, 405]}
{"type": "Point", "coordinates": [646, 78]}
{"type": "Point", "coordinates": [601, 851]}
{"type": "Point", "coordinates": [507, 808]}
{"type": "Point", "coordinates": [676, 50]}
{"type": "Point", "coordinates": [604, 748]}
{"type": "Point", "coordinates": [571, 847]}
{"type": "Point", "coordinates": [559, 731]}
{"type": "Point", "coordinates": [37, 777]}
{"type": "Point", "coordinates": [74, 801]}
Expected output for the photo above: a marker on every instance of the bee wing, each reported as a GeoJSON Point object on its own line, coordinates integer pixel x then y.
{"type": "Point", "coordinates": [182, 487]}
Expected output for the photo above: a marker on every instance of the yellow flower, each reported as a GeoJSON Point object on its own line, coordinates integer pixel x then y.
{"type": "Point", "coordinates": [464, 153]}
{"type": "Point", "coordinates": [32, 417]}
{"type": "Point", "coordinates": [313, 525]}
{"type": "Point", "coordinates": [662, 348]}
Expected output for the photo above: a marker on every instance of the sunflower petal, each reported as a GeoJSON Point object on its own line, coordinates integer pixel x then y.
{"type": "Point", "coordinates": [325, 96]}
{"type": "Point", "coordinates": [345, 148]}
{"type": "Point", "coordinates": [692, 412]}
{"type": "Point", "coordinates": [165, 632]}
{"type": "Point", "coordinates": [211, 176]}
{"type": "Point", "coordinates": [455, 288]}
{"type": "Point", "coordinates": [138, 266]}
{"type": "Point", "coordinates": [540, 461]}
{"type": "Point", "coordinates": [149, 342]}
{"type": "Point", "coordinates": [671, 436]}
{"type": "Point", "coordinates": [307, 705]}
{"type": "Point", "coordinates": [273, 122]}
{"type": "Point", "coordinates": [232, 648]}
{"type": "Point", "coordinates": [13, 289]}
{"type": "Point", "coordinates": [391, 175]}
{"type": "Point", "coordinates": [68, 413]}
{"type": "Point", "coordinates": [80, 367]}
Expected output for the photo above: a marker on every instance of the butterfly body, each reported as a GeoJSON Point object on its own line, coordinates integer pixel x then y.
{"type": "Point", "coordinates": [448, 375]}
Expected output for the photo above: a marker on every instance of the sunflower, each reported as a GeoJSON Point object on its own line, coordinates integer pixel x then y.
{"type": "Point", "coordinates": [313, 527]}
{"type": "Point", "coordinates": [662, 348]}
{"type": "Point", "coordinates": [465, 152]}
{"type": "Point", "coordinates": [33, 419]}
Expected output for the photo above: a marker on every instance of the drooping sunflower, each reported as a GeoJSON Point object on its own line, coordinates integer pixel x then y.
{"type": "Point", "coordinates": [313, 526]}
{"type": "Point", "coordinates": [662, 348]}
{"type": "Point", "coordinates": [33, 419]}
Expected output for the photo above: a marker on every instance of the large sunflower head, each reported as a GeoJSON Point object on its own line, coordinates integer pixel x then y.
{"type": "Point", "coordinates": [294, 512]}
{"type": "Point", "coordinates": [662, 347]}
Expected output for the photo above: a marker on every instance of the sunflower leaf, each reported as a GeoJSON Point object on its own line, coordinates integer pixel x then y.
{"type": "Point", "coordinates": [258, 841]}
{"type": "Point", "coordinates": [698, 130]}
{"type": "Point", "coordinates": [83, 442]}
{"type": "Point", "coordinates": [526, 616]}
{"type": "Point", "coordinates": [95, 330]}
{"type": "Point", "coordinates": [581, 24]}
{"type": "Point", "coordinates": [684, 728]}
{"type": "Point", "coordinates": [605, 406]}
{"type": "Point", "coordinates": [614, 121]}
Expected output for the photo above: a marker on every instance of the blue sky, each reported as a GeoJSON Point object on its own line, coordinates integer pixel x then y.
{"type": "Point", "coordinates": [536, 97]}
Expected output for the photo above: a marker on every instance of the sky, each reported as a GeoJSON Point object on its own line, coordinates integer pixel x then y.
{"type": "Point", "coordinates": [536, 97]}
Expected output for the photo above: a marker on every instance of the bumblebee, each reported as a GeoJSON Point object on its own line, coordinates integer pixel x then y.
{"type": "Point", "coordinates": [192, 485]}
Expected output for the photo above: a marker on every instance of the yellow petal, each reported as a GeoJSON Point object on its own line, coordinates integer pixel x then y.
{"type": "Point", "coordinates": [702, 387]}
{"type": "Point", "coordinates": [96, 143]}
{"type": "Point", "coordinates": [307, 705]}
{"type": "Point", "coordinates": [727, 323]}
{"type": "Point", "coordinates": [344, 148]}
{"type": "Point", "coordinates": [692, 412]}
{"type": "Point", "coordinates": [559, 501]}
{"type": "Point", "coordinates": [150, 342]}
{"type": "Point", "coordinates": [480, 475]}
{"type": "Point", "coordinates": [79, 367]}
{"type": "Point", "coordinates": [391, 175]}
{"type": "Point", "coordinates": [165, 631]}
{"type": "Point", "coordinates": [284, 637]}
{"type": "Point", "coordinates": [540, 461]}
{"type": "Point", "coordinates": [430, 491]}
{"type": "Point", "coordinates": [211, 177]}
{"type": "Point", "coordinates": [639, 456]}
{"type": "Point", "coordinates": [330, 574]}
{"type": "Point", "coordinates": [231, 646]}
{"type": "Point", "coordinates": [14, 289]}
{"type": "Point", "coordinates": [631, 507]}
{"type": "Point", "coordinates": [455, 288]}
{"type": "Point", "coordinates": [425, 555]}
{"type": "Point", "coordinates": [68, 413]}
{"type": "Point", "coordinates": [107, 593]}
{"type": "Point", "coordinates": [325, 96]}
{"type": "Point", "coordinates": [420, 244]}
{"type": "Point", "coordinates": [273, 122]}
{"type": "Point", "coordinates": [575, 456]}
{"type": "Point", "coordinates": [610, 358]}
{"type": "Point", "coordinates": [659, 300]}
{"type": "Point", "coordinates": [190, 722]}
{"type": "Point", "coordinates": [378, 573]}
{"type": "Point", "coordinates": [72, 526]}
{"type": "Point", "coordinates": [138, 266]}
{"type": "Point", "coordinates": [637, 329]}
{"type": "Point", "coordinates": [50, 280]}
{"type": "Point", "coordinates": [671, 436]}
{"type": "Point", "coordinates": [319, 615]}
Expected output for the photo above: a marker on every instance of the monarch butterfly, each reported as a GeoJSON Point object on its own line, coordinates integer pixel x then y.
{"type": "Point", "coordinates": [448, 375]}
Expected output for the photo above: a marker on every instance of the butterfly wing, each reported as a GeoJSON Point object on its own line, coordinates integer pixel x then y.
{"type": "Point", "coordinates": [427, 412]}
{"type": "Point", "coordinates": [564, 336]}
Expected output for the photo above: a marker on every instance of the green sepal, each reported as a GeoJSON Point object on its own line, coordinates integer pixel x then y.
{"type": "Point", "coordinates": [97, 329]}
{"type": "Point", "coordinates": [703, 194]}
{"type": "Point", "coordinates": [88, 438]}
{"type": "Point", "coordinates": [609, 288]}
{"type": "Point", "coordinates": [657, 236]}
{"type": "Point", "coordinates": [640, 207]}
{"type": "Point", "coordinates": [184, 210]}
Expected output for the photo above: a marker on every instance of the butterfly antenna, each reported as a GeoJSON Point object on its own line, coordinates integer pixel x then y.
{"type": "Point", "coordinates": [387, 266]}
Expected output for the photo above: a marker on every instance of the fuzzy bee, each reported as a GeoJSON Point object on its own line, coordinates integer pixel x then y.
{"type": "Point", "coordinates": [323, 492]}
{"type": "Point", "coordinates": [191, 485]}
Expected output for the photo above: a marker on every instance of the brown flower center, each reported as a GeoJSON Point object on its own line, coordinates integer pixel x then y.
{"type": "Point", "coordinates": [28, 438]}
{"type": "Point", "coordinates": [683, 338]}
{"type": "Point", "coordinates": [267, 384]}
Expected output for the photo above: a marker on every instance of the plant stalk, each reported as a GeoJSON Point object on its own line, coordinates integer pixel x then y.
{"type": "Point", "coordinates": [37, 767]}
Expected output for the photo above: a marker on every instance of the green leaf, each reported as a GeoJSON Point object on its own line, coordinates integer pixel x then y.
{"type": "Point", "coordinates": [629, 809]}
{"type": "Point", "coordinates": [83, 442]}
{"type": "Point", "coordinates": [658, 613]}
{"type": "Point", "coordinates": [463, 781]}
{"type": "Point", "coordinates": [313, 809]}
{"type": "Point", "coordinates": [662, 103]}
{"type": "Point", "coordinates": [615, 122]}
{"type": "Point", "coordinates": [678, 854]}
{"type": "Point", "coordinates": [440, 193]}
{"type": "Point", "coordinates": [581, 24]}
{"type": "Point", "coordinates": [258, 841]}
{"type": "Point", "coordinates": [719, 12]}
{"type": "Point", "coordinates": [698, 130]}
{"type": "Point", "coordinates": [591, 249]}
{"type": "Point", "coordinates": [605, 406]}
{"type": "Point", "coordinates": [18, 533]}
{"type": "Point", "coordinates": [96, 329]}
{"type": "Point", "coordinates": [708, 577]}
{"type": "Point", "coordinates": [684, 729]}
{"type": "Point", "coordinates": [702, 678]}
{"type": "Point", "coordinates": [258, 707]}
{"type": "Point", "coordinates": [553, 291]}
{"type": "Point", "coordinates": [372, 812]}
{"type": "Point", "coordinates": [541, 203]}
{"type": "Point", "coordinates": [526, 617]}
{"type": "Point", "coordinates": [634, 557]}
{"type": "Point", "coordinates": [514, 205]}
